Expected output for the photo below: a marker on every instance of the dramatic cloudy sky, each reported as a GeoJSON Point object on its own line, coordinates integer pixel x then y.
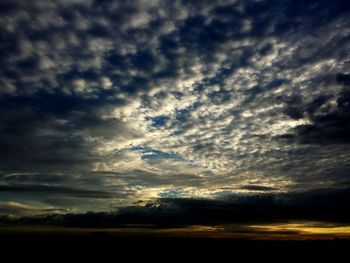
{"type": "Point", "coordinates": [104, 103]}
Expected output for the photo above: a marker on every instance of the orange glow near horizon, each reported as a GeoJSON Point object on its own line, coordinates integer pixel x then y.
{"type": "Point", "coordinates": [304, 228]}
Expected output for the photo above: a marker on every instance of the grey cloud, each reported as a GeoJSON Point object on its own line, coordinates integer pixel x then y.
{"type": "Point", "coordinates": [329, 122]}
{"type": "Point", "coordinates": [38, 133]}
{"type": "Point", "coordinates": [18, 209]}
{"type": "Point", "coordinates": [258, 188]}
{"type": "Point", "coordinates": [55, 190]}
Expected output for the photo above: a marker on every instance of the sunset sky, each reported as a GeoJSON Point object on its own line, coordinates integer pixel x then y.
{"type": "Point", "coordinates": [173, 106]}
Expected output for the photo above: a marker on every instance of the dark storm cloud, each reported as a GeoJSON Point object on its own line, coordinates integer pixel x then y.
{"type": "Point", "coordinates": [330, 124]}
{"type": "Point", "coordinates": [159, 98]}
{"type": "Point", "coordinates": [317, 205]}
{"type": "Point", "coordinates": [49, 131]}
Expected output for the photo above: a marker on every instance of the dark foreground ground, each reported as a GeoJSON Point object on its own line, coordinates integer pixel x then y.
{"type": "Point", "coordinates": [101, 246]}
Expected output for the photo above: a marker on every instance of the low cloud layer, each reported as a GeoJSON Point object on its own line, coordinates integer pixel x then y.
{"type": "Point", "coordinates": [321, 205]}
{"type": "Point", "coordinates": [104, 103]}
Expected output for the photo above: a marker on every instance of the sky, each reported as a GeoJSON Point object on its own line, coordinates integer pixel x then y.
{"type": "Point", "coordinates": [108, 105]}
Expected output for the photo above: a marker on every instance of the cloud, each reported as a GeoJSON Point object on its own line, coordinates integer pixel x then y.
{"type": "Point", "coordinates": [325, 205]}
{"type": "Point", "coordinates": [54, 190]}
{"type": "Point", "coordinates": [258, 188]}
{"type": "Point", "coordinates": [329, 117]}
{"type": "Point", "coordinates": [15, 210]}
{"type": "Point", "coordinates": [149, 98]}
